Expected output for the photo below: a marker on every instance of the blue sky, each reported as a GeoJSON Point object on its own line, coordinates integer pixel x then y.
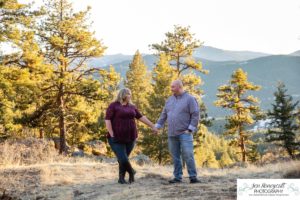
{"type": "Point", "coordinates": [271, 26]}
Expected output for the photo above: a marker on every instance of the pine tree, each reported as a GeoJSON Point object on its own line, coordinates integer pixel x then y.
{"type": "Point", "coordinates": [179, 46]}
{"type": "Point", "coordinates": [18, 68]}
{"type": "Point", "coordinates": [283, 125]}
{"type": "Point", "coordinates": [214, 152]}
{"type": "Point", "coordinates": [156, 146]}
{"type": "Point", "coordinates": [138, 81]}
{"type": "Point", "coordinates": [245, 109]}
{"type": "Point", "coordinates": [253, 154]}
{"type": "Point", "coordinates": [13, 15]}
{"type": "Point", "coordinates": [46, 85]}
{"type": "Point", "coordinates": [225, 160]}
{"type": "Point", "coordinates": [110, 81]}
{"type": "Point", "coordinates": [211, 161]}
{"type": "Point", "coordinates": [66, 44]}
{"type": "Point", "coordinates": [298, 123]}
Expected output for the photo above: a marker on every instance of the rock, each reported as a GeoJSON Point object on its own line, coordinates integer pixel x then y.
{"type": "Point", "coordinates": [96, 152]}
{"type": "Point", "coordinates": [77, 153]}
{"type": "Point", "coordinates": [40, 197]}
{"type": "Point", "coordinates": [77, 193]}
{"type": "Point", "coordinates": [141, 160]}
{"type": "Point", "coordinates": [98, 147]}
{"type": "Point", "coordinates": [107, 159]}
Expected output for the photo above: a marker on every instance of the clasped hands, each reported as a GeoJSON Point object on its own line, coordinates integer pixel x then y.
{"type": "Point", "coordinates": [154, 130]}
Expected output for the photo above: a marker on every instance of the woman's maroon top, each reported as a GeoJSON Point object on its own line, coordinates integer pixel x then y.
{"type": "Point", "coordinates": [122, 119]}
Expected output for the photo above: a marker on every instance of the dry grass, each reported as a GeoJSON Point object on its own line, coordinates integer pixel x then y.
{"type": "Point", "coordinates": [92, 180]}
{"type": "Point", "coordinates": [28, 151]}
{"type": "Point", "coordinates": [66, 178]}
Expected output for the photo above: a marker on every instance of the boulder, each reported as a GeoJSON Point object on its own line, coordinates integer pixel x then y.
{"type": "Point", "coordinates": [98, 147]}
{"type": "Point", "coordinates": [141, 160]}
{"type": "Point", "coordinates": [77, 153]}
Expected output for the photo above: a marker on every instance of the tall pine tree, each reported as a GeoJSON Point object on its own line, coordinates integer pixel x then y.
{"type": "Point", "coordinates": [283, 126]}
{"type": "Point", "coordinates": [138, 81]}
{"type": "Point", "coordinates": [21, 68]}
{"type": "Point", "coordinates": [179, 46]}
{"type": "Point", "coordinates": [245, 108]}
{"type": "Point", "coordinates": [156, 146]}
{"type": "Point", "coordinates": [71, 91]}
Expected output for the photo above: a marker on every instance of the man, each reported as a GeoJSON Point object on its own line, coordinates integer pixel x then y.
{"type": "Point", "coordinates": [182, 114]}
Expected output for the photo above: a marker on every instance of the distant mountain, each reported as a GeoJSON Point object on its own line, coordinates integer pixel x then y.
{"type": "Point", "coordinates": [110, 59]}
{"type": "Point", "coordinates": [203, 52]}
{"type": "Point", "coordinates": [215, 54]}
{"type": "Point", "coordinates": [296, 53]}
{"type": "Point", "coordinates": [264, 71]}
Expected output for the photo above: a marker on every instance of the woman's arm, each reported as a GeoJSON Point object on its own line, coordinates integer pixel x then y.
{"type": "Point", "coordinates": [109, 127]}
{"type": "Point", "coordinates": [146, 121]}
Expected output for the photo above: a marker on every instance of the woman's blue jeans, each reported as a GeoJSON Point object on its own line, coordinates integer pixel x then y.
{"type": "Point", "coordinates": [121, 150]}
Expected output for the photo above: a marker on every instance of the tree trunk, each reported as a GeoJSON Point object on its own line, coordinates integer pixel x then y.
{"type": "Point", "coordinates": [243, 149]}
{"type": "Point", "coordinates": [62, 126]}
{"type": "Point", "coordinates": [41, 133]}
{"type": "Point", "coordinates": [290, 152]}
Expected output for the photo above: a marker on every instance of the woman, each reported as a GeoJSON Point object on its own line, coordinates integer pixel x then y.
{"type": "Point", "coordinates": [122, 132]}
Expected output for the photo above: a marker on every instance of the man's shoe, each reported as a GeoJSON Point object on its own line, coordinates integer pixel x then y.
{"type": "Point", "coordinates": [174, 180]}
{"type": "Point", "coordinates": [195, 180]}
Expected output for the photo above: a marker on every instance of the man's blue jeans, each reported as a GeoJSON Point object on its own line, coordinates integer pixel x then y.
{"type": "Point", "coordinates": [182, 144]}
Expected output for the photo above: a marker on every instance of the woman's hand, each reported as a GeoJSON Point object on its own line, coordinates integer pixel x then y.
{"type": "Point", "coordinates": [146, 121]}
{"type": "Point", "coordinates": [109, 128]}
{"type": "Point", "coordinates": [155, 130]}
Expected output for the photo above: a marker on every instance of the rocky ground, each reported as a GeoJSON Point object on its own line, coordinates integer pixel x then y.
{"type": "Point", "coordinates": [95, 180]}
{"type": "Point", "coordinates": [32, 169]}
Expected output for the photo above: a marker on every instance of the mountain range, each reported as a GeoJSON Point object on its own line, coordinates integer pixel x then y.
{"type": "Point", "coordinates": [263, 69]}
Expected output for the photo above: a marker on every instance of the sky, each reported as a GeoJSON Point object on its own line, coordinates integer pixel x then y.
{"type": "Point", "coordinates": [270, 26]}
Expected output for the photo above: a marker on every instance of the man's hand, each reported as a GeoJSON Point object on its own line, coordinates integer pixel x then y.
{"type": "Point", "coordinates": [188, 131]}
{"type": "Point", "coordinates": [155, 130]}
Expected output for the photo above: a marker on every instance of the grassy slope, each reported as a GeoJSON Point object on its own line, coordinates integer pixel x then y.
{"type": "Point", "coordinates": [94, 180]}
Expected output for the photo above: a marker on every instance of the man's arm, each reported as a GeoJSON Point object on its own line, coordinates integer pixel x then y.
{"type": "Point", "coordinates": [195, 114]}
{"type": "Point", "coordinates": [162, 119]}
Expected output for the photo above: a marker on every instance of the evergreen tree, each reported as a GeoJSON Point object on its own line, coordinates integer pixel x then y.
{"type": "Point", "coordinates": [18, 68]}
{"type": "Point", "coordinates": [156, 146]}
{"type": "Point", "coordinates": [283, 125]}
{"type": "Point", "coordinates": [46, 86]}
{"type": "Point", "coordinates": [110, 81]}
{"type": "Point", "coordinates": [253, 154]}
{"type": "Point", "coordinates": [225, 160]}
{"type": "Point", "coordinates": [245, 109]}
{"type": "Point", "coordinates": [215, 152]}
{"type": "Point", "coordinates": [210, 161]}
{"type": "Point", "coordinates": [179, 46]}
{"type": "Point", "coordinates": [14, 15]}
{"type": "Point", "coordinates": [138, 81]}
{"type": "Point", "coordinates": [66, 44]}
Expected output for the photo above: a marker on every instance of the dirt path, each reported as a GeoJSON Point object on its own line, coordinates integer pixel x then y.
{"type": "Point", "coordinates": [98, 181]}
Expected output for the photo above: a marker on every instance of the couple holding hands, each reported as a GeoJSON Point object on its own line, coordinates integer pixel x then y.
{"type": "Point", "coordinates": [181, 111]}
